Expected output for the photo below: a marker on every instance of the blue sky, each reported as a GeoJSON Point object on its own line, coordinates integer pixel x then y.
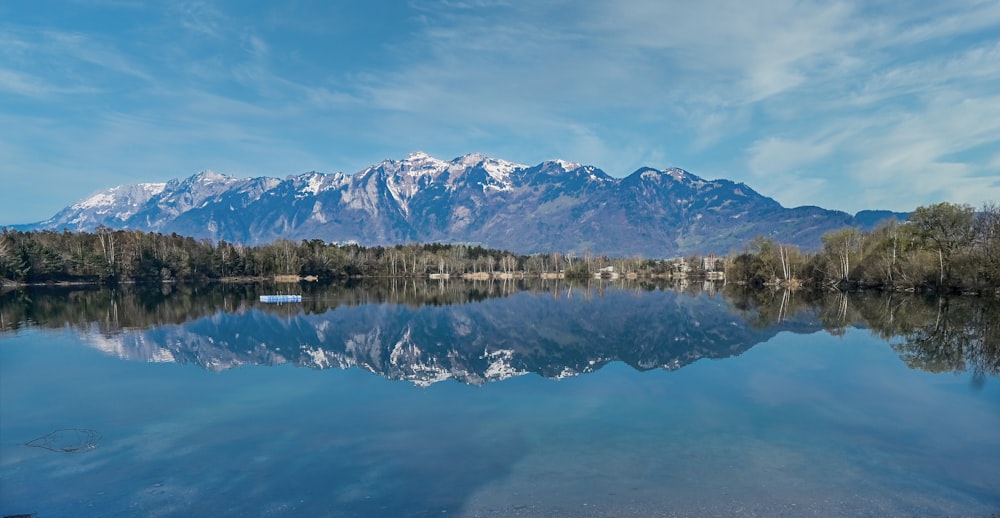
{"type": "Point", "coordinates": [846, 105]}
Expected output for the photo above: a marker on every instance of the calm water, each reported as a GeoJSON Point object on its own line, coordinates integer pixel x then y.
{"type": "Point", "coordinates": [416, 399]}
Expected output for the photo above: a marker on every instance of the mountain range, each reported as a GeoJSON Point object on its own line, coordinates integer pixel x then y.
{"type": "Point", "coordinates": [553, 206]}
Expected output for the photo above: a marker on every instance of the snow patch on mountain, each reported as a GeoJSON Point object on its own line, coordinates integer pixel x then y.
{"type": "Point", "coordinates": [677, 174]}
{"type": "Point", "coordinates": [566, 165]}
{"type": "Point", "coordinates": [401, 193]}
{"type": "Point", "coordinates": [120, 203]}
{"type": "Point", "coordinates": [500, 367]}
{"type": "Point", "coordinates": [130, 347]}
{"type": "Point", "coordinates": [99, 200]}
{"type": "Point", "coordinates": [318, 357]}
{"type": "Point", "coordinates": [501, 170]}
{"type": "Point", "coordinates": [650, 174]}
{"type": "Point", "coordinates": [132, 194]}
{"type": "Point", "coordinates": [419, 164]}
{"type": "Point", "coordinates": [314, 185]}
{"type": "Point", "coordinates": [404, 348]}
{"type": "Point", "coordinates": [317, 213]}
{"type": "Point", "coordinates": [209, 177]}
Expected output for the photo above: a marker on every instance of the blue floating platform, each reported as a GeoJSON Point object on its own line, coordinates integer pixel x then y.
{"type": "Point", "coordinates": [281, 298]}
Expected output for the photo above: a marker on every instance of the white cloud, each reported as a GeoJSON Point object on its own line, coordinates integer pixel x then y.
{"type": "Point", "coordinates": [786, 169]}
{"type": "Point", "coordinates": [824, 103]}
{"type": "Point", "coordinates": [975, 69]}
{"type": "Point", "coordinates": [921, 151]}
{"type": "Point", "coordinates": [745, 51]}
{"type": "Point", "coordinates": [895, 159]}
{"type": "Point", "coordinates": [781, 156]}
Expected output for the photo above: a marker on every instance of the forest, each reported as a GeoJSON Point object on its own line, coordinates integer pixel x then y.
{"type": "Point", "coordinates": [944, 248]}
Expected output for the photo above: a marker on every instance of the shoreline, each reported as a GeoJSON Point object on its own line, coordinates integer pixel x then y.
{"type": "Point", "coordinates": [7, 285]}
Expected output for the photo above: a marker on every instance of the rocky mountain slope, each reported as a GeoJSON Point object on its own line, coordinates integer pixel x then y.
{"type": "Point", "coordinates": [552, 206]}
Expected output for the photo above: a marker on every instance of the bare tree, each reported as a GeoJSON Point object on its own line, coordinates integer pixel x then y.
{"type": "Point", "coordinates": [841, 246]}
{"type": "Point", "coordinates": [946, 228]}
{"type": "Point", "coordinates": [108, 241]}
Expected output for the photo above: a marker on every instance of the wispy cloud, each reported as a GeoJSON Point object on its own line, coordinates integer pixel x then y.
{"type": "Point", "coordinates": [87, 50]}
{"type": "Point", "coordinates": [820, 103]}
{"type": "Point", "coordinates": [200, 17]}
{"type": "Point", "coordinates": [27, 85]}
{"type": "Point", "coordinates": [48, 62]}
{"type": "Point", "coordinates": [930, 21]}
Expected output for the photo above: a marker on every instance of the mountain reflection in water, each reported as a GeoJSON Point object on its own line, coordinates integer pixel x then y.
{"type": "Point", "coordinates": [475, 332]}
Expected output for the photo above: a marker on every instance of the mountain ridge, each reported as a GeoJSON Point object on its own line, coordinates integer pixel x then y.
{"type": "Point", "coordinates": [555, 205]}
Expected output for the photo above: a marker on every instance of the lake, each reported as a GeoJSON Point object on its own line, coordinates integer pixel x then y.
{"type": "Point", "coordinates": [426, 398]}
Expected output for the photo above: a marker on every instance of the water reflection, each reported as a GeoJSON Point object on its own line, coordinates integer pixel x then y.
{"type": "Point", "coordinates": [429, 331]}
{"type": "Point", "coordinates": [935, 334]}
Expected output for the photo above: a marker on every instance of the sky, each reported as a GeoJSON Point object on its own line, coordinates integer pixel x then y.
{"type": "Point", "coordinates": [847, 105]}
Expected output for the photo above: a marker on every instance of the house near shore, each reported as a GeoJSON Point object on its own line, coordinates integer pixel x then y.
{"type": "Point", "coordinates": [608, 272]}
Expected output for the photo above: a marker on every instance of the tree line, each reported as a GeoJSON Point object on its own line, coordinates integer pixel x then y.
{"type": "Point", "coordinates": [110, 256]}
{"type": "Point", "coordinates": [941, 247]}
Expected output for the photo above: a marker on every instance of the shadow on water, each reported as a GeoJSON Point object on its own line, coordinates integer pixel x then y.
{"type": "Point", "coordinates": [426, 331]}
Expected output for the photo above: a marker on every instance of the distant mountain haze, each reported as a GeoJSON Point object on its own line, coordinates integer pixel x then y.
{"type": "Point", "coordinates": [553, 206]}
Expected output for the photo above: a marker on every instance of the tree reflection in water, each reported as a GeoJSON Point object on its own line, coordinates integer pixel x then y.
{"type": "Point", "coordinates": [931, 333]}
{"type": "Point", "coordinates": [645, 324]}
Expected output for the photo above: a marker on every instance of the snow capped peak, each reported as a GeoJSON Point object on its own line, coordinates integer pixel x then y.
{"type": "Point", "coordinates": [469, 160]}
{"type": "Point", "coordinates": [111, 205]}
{"type": "Point", "coordinates": [209, 176]}
{"type": "Point", "coordinates": [419, 163]}
{"type": "Point", "coordinates": [101, 199]}
{"type": "Point", "coordinates": [133, 193]}
{"type": "Point", "coordinates": [153, 189]}
{"type": "Point", "coordinates": [565, 165]}
{"type": "Point", "coordinates": [499, 170]}
{"type": "Point", "coordinates": [422, 161]}
{"type": "Point", "coordinates": [314, 183]}
{"type": "Point", "coordinates": [304, 176]}
{"type": "Point", "coordinates": [417, 156]}
{"type": "Point", "coordinates": [650, 174]}
{"type": "Point", "coordinates": [675, 173]}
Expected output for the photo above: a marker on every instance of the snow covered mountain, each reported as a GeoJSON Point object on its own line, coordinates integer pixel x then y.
{"type": "Point", "coordinates": [552, 206]}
